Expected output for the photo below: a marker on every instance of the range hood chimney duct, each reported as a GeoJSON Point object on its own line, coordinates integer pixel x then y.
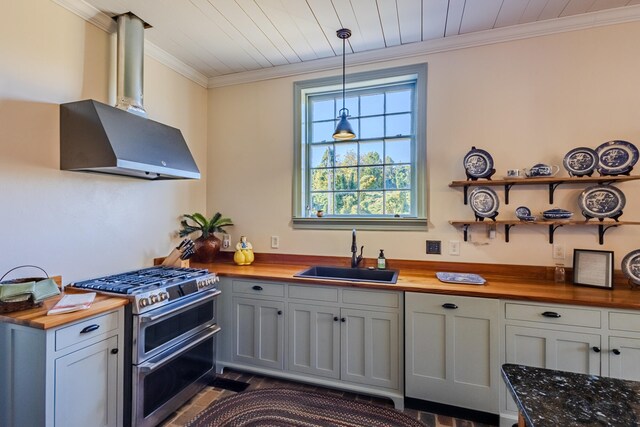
{"type": "Point", "coordinates": [130, 74]}
{"type": "Point", "coordinates": [95, 137]}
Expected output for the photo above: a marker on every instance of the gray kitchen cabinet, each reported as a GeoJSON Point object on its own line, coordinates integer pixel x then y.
{"type": "Point", "coordinates": [452, 350]}
{"type": "Point", "coordinates": [314, 339]}
{"type": "Point", "coordinates": [259, 332]}
{"type": "Point", "coordinates": [624, 358]}
{"type": "Point", "coordinates": [67, 376]}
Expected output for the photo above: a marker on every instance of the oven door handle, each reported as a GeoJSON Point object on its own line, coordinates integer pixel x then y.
{"type": "Point", "coordinates": [178, 350]}
{"type": "Point", "coordinates": [184, 305]}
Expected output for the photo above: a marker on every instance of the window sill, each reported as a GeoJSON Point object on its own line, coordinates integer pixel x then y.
{"type": "Point", "coordinates": [381, 224]}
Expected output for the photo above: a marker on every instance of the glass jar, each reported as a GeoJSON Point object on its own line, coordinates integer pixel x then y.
{"type": "Point", "coordinates": [559, 274]}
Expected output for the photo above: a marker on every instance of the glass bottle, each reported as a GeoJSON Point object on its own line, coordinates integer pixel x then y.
{"type": "Point", "coordinates": [559, 274]}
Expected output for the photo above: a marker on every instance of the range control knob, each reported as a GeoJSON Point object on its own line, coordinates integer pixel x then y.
{"type": "Point", "coordinates": [163, 296]}
{"type": "Point", "coordinates": [143, 302]}
{"type": "Point", "coordinates": [154, 298]}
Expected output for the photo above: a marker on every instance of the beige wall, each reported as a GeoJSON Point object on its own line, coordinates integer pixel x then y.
{"type": "Point", "coordinates": [524, 101]}
{"type": "Point", "coordinates": [74, 224]}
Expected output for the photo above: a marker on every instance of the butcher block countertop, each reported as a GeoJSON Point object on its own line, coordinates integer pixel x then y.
{"type": "Point", "coordinates": [529, 283]}
{"type": "Point", "coordinates": [37, 317]}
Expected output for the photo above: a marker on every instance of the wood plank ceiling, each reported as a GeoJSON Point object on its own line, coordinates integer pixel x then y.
{"type": "Point", "coordinates": [221, 37]}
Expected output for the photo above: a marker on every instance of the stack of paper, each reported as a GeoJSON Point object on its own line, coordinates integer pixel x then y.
{"type": "Point", "coordinates": [73, 302]}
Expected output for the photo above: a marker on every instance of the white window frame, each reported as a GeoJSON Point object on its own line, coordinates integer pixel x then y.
{"type": "Point", "coordinates": [302, 90]}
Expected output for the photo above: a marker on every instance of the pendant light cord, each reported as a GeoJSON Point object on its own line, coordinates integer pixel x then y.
{"type": "Point", "coordinates": [343, 73]}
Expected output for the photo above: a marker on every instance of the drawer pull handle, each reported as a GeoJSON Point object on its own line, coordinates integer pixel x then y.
{"type": "Point", "coordinates": [596, 349]}
{"type": "Point", "coordinates": [551, 314]}
{"type": "Point", "coordinates": [449, 305]}
{"type": "Point", "coordinates": [89, 328]}
{"type": "Point", "coordinates": [343, 319]}
{"type": "Point", "coordinates": [335, 318]}
{"type": "Point", "coordinates": [257, 288]}
{"type": "Point", "coordinates": [279, 312]}
{"type": "Point", "coordinates": [615, 351]}
{"type": "Point", "coordinates": [114, 351]}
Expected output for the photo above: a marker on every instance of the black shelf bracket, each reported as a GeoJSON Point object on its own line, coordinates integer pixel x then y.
{"type": "Point", "coordinates": [507, 227]}
{"type": "Point", "coordinates": [507, 187]}
{"type": "Point", "coordinates": [552, 189]}
{"type": "Point", "coordinates": [465, 231]}
{"type": "Point", "coordinates": [603, 229]}
{"type": "Point", "coordinates": [552, 230]}
{"type": "Point", "coordinates": [465, 191]}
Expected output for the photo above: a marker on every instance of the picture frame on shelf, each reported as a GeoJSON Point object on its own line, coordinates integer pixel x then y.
{"type": "Point", "coordinates": [593, 268]}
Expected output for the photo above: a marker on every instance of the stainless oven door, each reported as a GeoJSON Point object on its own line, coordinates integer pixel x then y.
{"type": "Point", "coordinates": [162, 384]}
{"type": "Point", "coordinates": [164, 327]}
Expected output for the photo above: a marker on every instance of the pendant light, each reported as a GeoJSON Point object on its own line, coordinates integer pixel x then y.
{"type": "Point", "coordinates": [344, 131]}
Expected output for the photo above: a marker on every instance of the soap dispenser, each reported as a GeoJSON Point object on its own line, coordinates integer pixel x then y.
{"type": "Point", "coordinates": [382, 262]}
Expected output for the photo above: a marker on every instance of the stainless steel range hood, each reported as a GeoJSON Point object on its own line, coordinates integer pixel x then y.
{"type": "Point", "coordinates": [95, 137]}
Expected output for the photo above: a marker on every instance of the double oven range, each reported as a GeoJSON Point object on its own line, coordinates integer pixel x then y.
{"type": "Point", "coordinates": [170, 337]}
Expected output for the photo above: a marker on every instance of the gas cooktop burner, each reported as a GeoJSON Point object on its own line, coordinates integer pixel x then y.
{"type": "Point", "coordinates": [153, 286]}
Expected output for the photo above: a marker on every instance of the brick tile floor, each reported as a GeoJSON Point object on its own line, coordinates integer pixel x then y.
{"type": "Point", "coordinates": [210, 394]}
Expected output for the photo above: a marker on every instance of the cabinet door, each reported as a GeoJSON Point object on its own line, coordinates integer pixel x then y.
{"type": "Point", "coordinates": [544, 348]}
{"type": "Point", "coordinates": [259, 332]}
{"type": "Point", "coordinates": [624, 358]}
{"type": "Point", "coordinates": [314, 340]}
{"type": "Point", "coordinates": [370, 343]}
{"type": "Point", "coordinates": [452, 350]}
{"type": "Point", "coordinates": [86, 392]}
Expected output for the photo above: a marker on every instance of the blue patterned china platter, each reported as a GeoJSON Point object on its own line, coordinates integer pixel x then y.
{"type": "Point", "coordinates": [557, 213]}
{"type": "Point", "coordinates": [522, 212]}
{"type": "Point", "coordinates": [464, 278]}
{"type": "Point", "coordinates": [478, 163]}
{"type": "Point", "coordinates": [616, 157]}
{"type": "Point", "coordinates": [601, 201]}
{"type": "Point", "coordinates": [580, 161]}
{"type": "Point", "coordinates": [484, 202]}
{"type": "Point", "coordinates": [631, 266]}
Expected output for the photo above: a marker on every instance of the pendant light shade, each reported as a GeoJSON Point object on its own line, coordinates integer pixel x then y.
{"type": "Point", "coordinates": [343, 131]}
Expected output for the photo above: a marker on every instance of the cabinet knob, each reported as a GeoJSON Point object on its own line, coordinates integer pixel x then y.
{"type": "Point", "coordinates": [551, 314]}
{"type": "Point", "coordinates": [336, 318]}
{"type": "Point", "coordinates": [89, 328]}
{"type": "Point", "coordinates": [114, 351]}
{"type": "Point", "coordinates": [449, 305]}
{"type": "Point", "coordinates": [257, 288]}
{"type": "Point", "coordinates": [615, 351]}
{"type": "Point", "coordinates": [279, 312]}
{"type": "Point", "coordinates": [596, 349]}
{"type": "Point", "coordinates": [342, 319]}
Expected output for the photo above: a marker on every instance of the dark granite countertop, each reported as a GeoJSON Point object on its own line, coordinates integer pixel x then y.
{"type": "Point", "coordinates": [546, 397]}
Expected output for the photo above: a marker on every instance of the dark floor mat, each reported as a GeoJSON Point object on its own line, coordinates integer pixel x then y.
{"type": "Point", "coordinates": [232, 385]}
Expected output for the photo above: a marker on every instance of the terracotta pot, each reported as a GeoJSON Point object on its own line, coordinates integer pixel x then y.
{"type": "Point", "coordinates": [206, 249]}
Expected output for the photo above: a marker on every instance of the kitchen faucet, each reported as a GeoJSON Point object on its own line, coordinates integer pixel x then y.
{"type": "Point", "coordinates": [355, 260]}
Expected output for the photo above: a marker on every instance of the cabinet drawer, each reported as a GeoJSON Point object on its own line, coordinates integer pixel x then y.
{"type": "Point", "coordinates": [567, 316]}
{"type": "Point", "coordinates": [258, 288]}
{"type": "Point", "coordinates": [76, 333]}
{"type": "Point", "coordinates": [624, 321]}
{"type": "Point", "coordinates": [374, 298]}
{"type": "Point", "coordinates": [314, 293]}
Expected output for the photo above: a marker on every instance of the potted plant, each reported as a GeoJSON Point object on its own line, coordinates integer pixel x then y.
{"type": "Point", "coordinates": [207, 245]}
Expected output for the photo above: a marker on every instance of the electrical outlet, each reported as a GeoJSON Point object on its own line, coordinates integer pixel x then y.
{"type": "Point", "coordinates": [275, 242]}
{"type": "Point", "coordinates": [558, 251]}
{"type": "Point", "coordinates": [226, 241]}
{"type": "Point", "coordinates": [434, 247]}
{"type": "Point", "coordinates": [454, 247]}
{"type": "Point", "coordinates": [491, 232]}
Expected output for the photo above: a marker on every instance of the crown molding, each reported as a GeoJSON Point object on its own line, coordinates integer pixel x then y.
{"type": "Point", "coordinates": [107, 24]}
{"type": "Point", "coordinates": [517, 32]}
{"type": "Point", "coordinates": [463, 41]}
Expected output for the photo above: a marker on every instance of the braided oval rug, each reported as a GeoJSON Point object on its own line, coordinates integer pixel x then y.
{"type": "Point", "coordinates": [280, 407]}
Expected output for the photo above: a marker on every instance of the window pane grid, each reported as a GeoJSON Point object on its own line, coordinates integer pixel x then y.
{"type": "Point", "coordinates": [352, 181]}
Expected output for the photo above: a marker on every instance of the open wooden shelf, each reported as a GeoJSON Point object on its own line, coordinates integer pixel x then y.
{"type": "Point", "coordinates": [552, 182]}
{"type": "Point", "coordinates": [603, 226]}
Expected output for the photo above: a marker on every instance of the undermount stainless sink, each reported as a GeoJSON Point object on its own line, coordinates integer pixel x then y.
{"type": "Point", "coordinates": [350, 274]}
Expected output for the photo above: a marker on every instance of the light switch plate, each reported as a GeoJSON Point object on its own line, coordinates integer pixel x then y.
{"type": "Point", "coordinates": [434, 247]}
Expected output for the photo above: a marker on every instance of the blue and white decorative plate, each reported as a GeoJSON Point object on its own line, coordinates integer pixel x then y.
{"type": "Point", "coordinates": [478, 163]}
{"type": "Point", "coordinates": [616, 157]}
{"type": "Point", "coordinates": [601, 201]}
{"type": "Point", "coordinates": [631, 266]}
{"type": "Point", "coordinates": [580, 161]}
{"type": "Point", "coordinates": [484, 202]}
{"type": "Point", "coordinates": [523, 212]}
{"type": "Point", "coordinates": [557, 213]}
{"type": "Point", "coordinates": [464, 278]}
